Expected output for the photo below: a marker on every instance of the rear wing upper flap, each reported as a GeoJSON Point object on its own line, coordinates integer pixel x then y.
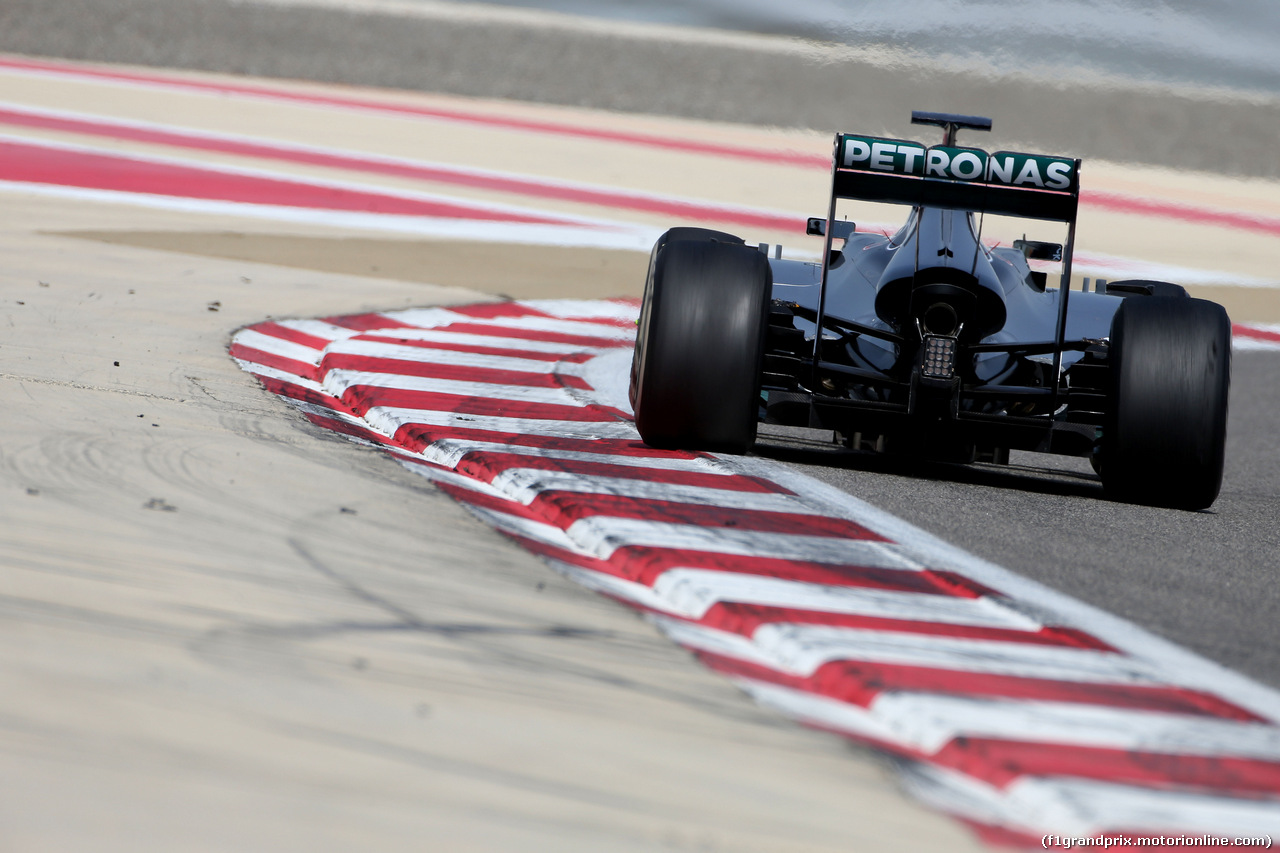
{"type": "Point", "coordinates": [1032, 186]}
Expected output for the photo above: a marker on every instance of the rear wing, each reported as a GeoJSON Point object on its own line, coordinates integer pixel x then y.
{"type": "Point", "coordinates": [1032, 186]}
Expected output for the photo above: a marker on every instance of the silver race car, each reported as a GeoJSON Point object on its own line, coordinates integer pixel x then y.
{"type": "Point", "coordinates": [927, 339]}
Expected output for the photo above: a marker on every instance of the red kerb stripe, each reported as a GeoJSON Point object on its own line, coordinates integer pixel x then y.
{"type": "Point", "coordinates": [644, 564]}
{"type": "Point", "coordinates": [612, 198]}
{"type": "Point", "coordinates": [441, 370]}
{"type": "Point", "coordinates": [566, 356]}
{"type": "Point", "coordinates": [490, 310]}
{"type": "Point", "coordinates": [565, 508]}
{"type": "Point", "coordinates": [536, 335]}
{"type": "Point", "coordinates": [300, 369]}
{"type": "Point", "coordinates": [40, 164]}
{"type": "Point", "coordinates": [745, 619]}
{"type": "Point", "coordinates": [285, 333]}
{"type": "Point", "coordinates": [417, 437]}
{"type": "Point", "coordinates": [860, 682]}
{"type": "Point", "coordinates": [531, 125]}
{"type": "Point", "coordinates": [487, 464]}
{"type": "Point", "coordinates": [1256, 334]}
{"type": "Point", "coordinates": [1001, 762]}
{"type": "Point", "coordinates": [347, 428]}
{"type": "Point", "coordinates": [298, 392]}
{"type": "Point", "coordinates": [1103, 200]}
{"type": "Point", "coordinates": [367, 322]}
{"type": "Point", "coordinates": [1172, 210]}
{"type": "Point", "coordinates": [362, 398]}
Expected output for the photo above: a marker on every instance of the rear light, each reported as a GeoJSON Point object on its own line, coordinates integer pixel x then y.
{"type": "Point", "coordinates": [939, 360]}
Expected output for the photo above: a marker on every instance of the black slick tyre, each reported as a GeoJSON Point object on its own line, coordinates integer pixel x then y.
{"type": "Point", "coordinates": [671, 235]}
{"type": "Point", "coordinates": [1164, 437]}
{"type": "Point", "coordinates": [695, 376]}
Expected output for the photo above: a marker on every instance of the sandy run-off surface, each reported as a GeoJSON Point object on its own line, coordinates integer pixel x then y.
{"type": "Point", "coordinates": [226, 629]}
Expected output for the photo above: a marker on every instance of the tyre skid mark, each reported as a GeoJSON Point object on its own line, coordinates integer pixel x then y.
{"type": "Point", "coordinates": [815, 607]}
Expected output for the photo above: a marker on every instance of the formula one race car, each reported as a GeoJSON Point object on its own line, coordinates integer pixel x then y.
{"type": "Point", "coordinates": [928, 341]}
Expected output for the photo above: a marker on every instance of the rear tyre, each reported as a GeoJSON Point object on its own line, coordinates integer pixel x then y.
{"type": "Point", "coordinates": [1166, 429]}
{"type": "Point", "coordinates": [695, 375]}
{"type": "Point", "coordinates": [671, 235]}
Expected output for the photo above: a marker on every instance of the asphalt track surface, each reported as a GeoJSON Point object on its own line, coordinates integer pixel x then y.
{"type": "Point", "coordinates": [1205, 580]}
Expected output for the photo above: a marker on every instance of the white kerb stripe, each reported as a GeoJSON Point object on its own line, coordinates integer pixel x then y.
{"type": "Point", "coordinates": [930, 721]}
{"type": "Point", "coordinates": [586, 309]}
{"type": "Point", "coordinates": [804, 648]}
{"type": "Point", "coordinates": [392, 418]}
{"type": "Point", "coordinates": [453, 358]}
{"type": "Point", "coordinates": [424, 318]}
{"type": "Point", "coordinates": [319, 329]}
{"type": "Point", "coordinates": [927, 722]}
{"type": "Point", "coordinates": [1254, 344]}
{"type": "Point", "coordinates": [1109, 805]}
{"type": "Point", "coordinates": [338, 381]}
{"type": "Point", "coordinates": [605, 534]}
{"type": "Point", "coordinates": [556, 326]}
{"type": "Point", "coordinates": [281, 375]}
{"type": "Point", "coordinates": [525, 484]}
{"type": "Point", "coordinates": [784, 648]}
{"type": "Point", "coordinates": [326, 412]}
{"type": "Point", "coordinates": [612, 585]}
{"type": "Point", "coordinates": [278, 346]}
{"type": "Point", "coordinates": [693, 592]}
{"type": "Point", "coordinates": [521, 526]}
{"type": "Point", "coordinates": [454, 449]}
{"type": "Point", "coordinates": [472, 339]}
{"type": "Point", "coordinates": [437, 475]}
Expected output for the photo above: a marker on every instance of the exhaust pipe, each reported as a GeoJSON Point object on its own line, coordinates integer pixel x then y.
{"type": "Point", "coordinates": [941, 319]}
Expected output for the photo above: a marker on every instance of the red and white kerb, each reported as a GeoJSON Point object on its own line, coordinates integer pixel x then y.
{"type": "Point", "coordinates": [1015, 708]}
